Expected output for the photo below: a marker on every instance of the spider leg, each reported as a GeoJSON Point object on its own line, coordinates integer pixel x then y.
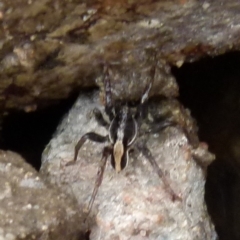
{"type": "Point", "coordinates": [148, 155]}
{"type": "Point", "coordinates": [142, 110]}
{"type": "Point", "coordinates": [109, 108]}
{"type": "Point", "coordinates": [88, 136]}
{"type": "Point", "coordinates": [106, 152]}
{"type": "Point", "coordinates": [99, 118]}
{"type": "Point", "coordinates": [160, 124]}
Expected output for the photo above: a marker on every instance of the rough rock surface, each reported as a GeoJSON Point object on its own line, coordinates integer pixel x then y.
{"type": "Point", "coordinates": [29, 208]}
{"type": "Point", "coordinates": [50, 48]}
{"type": "Point", "coordinates": [134, 203]}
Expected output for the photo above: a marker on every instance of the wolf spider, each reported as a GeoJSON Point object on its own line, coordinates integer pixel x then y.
{"type": "Point", "coordinates": [123, 129]}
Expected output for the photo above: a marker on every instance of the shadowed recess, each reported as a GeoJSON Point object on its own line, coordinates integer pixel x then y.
{"type": "Point", "coordinates": [210, 89]}
{"type": "Point", "coordinates": [29, 133]}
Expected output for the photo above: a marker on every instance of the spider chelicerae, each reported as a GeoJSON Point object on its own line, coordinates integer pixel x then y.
{"type": "Point", "coordinates": [124, 127]}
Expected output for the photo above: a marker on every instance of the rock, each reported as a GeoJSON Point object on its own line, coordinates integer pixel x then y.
{"type": "Point", "coordinates": [133, 204]}
{"type": "Point", "coordinates": [31, 209]}
{"type": "Point", "coordinates": [48, 49]}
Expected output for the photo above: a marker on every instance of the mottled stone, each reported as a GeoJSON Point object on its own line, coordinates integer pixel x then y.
{"type": "Point", "coordinates": [134, 203]}
{"type": "Point", "coordinates": [31, 209]}
{"type": "Point", "coordinates": [49, 49]}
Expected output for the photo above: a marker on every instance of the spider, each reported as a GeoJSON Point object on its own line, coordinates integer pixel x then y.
{"type": "Point", "coordinates": [123, 130]}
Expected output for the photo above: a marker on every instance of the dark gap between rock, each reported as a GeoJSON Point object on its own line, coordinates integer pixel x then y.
{"type": "Point", "coordinates": [210, 88]}
{"type": "Point", "coordinates": [29, 133]}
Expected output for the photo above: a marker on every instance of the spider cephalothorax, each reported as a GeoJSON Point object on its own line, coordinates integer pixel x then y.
{"type": "Point", "coordinates": [122, 133]}
{"type": "Point", "coordinates": [124, 126]}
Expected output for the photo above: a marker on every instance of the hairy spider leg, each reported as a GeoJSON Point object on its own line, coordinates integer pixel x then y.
{"type": "Point", "coordinates": [148, 155]}
{"type": "Point", "coordinates": [142, 108]}
{"type": "Point", "coordinates": [107, 151]}
{"type": "Point", "coordinates": [108, 93]}
{"type": "Point", "coordinates": [88, 136]}
{"type": "Point", "coordinates": [161, 124]}
{"type": "Point", "coordinates": [99, 118]}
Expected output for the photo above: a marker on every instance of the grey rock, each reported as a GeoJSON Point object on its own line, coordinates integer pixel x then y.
{"type": "Point", "coordinates": [48, 49]}
{"type": "Point", "coordinates": [134, 203]}
{"type": "Point", "coordinates": [31, 209]}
